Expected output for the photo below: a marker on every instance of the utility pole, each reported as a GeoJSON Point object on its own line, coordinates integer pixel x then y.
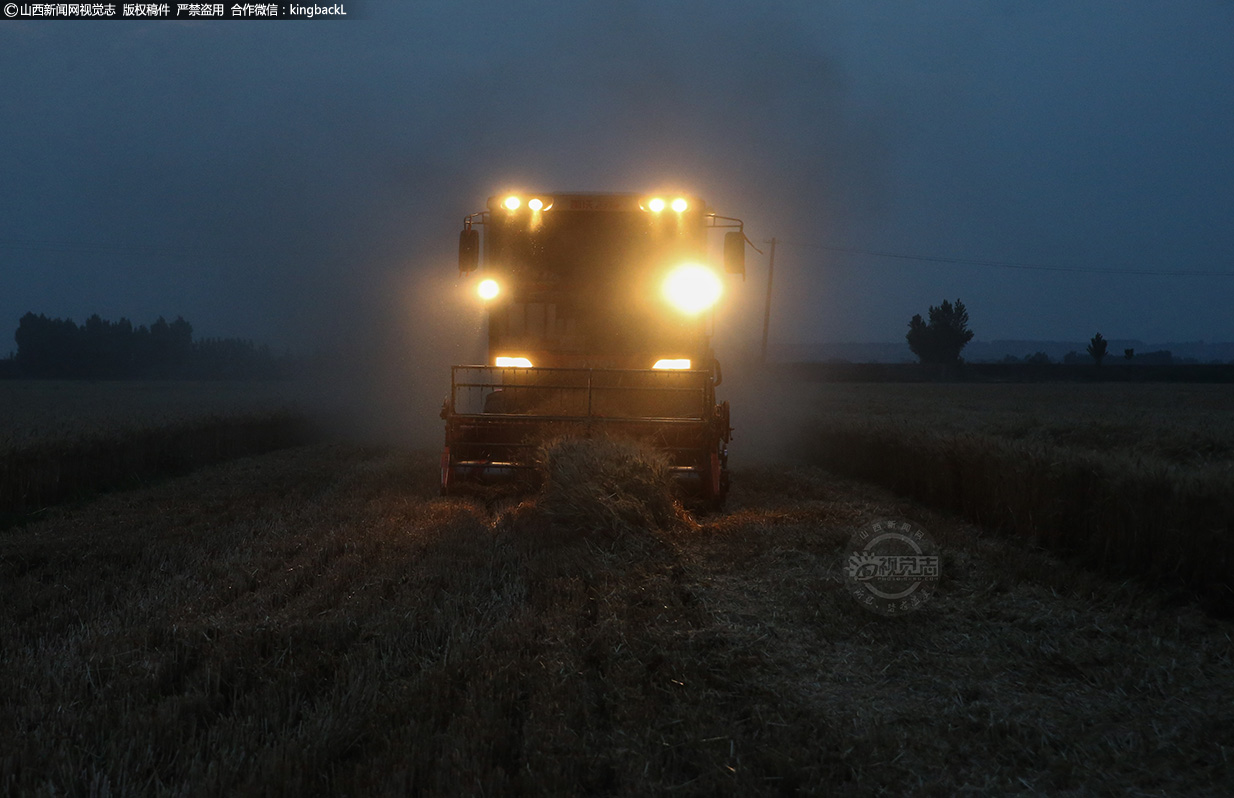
{"type": "Point", "coordinates": [771, 273]}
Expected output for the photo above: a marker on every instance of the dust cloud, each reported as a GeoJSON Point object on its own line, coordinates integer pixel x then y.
{"type": "Point", "coordinates": [770, 414]}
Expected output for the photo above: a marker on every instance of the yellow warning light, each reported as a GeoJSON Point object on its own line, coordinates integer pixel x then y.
{"type": "Point", "coordinates": [680, 205]}
{"type": "Point", "coordinates": [656, 205]}
{"type": "Point", "coordinates": [512, 202]}
{"type": "Point", "coordinates": [488, 289]}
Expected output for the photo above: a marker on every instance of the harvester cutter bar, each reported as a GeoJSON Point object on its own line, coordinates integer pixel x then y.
{"type": "Point", "coordinates": [496, 418]}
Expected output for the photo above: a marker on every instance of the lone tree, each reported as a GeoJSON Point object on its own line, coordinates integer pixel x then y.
{"type": "Point", "coordinates": [941, 339]}
{"type": "Point", "coordinates": [1096, 348]}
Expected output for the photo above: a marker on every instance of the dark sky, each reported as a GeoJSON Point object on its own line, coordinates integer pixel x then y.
{"type": "Point", "coordinates": [279, 180]}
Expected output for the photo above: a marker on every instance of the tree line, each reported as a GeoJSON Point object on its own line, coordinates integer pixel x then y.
{"type": "Point", "coordinates": [106, 350]}
{"type": "Point", "coordinates": [941, 339]}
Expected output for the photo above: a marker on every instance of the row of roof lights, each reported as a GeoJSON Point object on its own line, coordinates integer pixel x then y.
{"type": "Point", "coordinates": [674, 363]}
{"type": "Point", "coordinates": [514, 202]}
{"type": "Point", "coordinates": [658, 204]}
{"type": "Point", "coordinates": [654, 204]}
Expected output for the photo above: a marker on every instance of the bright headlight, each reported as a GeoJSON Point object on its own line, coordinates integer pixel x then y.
{"type": "Point", "coordinates": [692, 288]}
{"type": "Point", "coordinates": [513, 363]}
{"type": "Point", "coordinates": [656, 205]}
{"type": "Point", "coordinates": [512, 202]}
{"type": "Point", "coordinates": [672, 363]}
{"type": "Point", "coordinates": [488, 289]}
{"type": "Point", "coordinates": [535, 204]}
{"type": "Point", "coordinates": [680, 204]}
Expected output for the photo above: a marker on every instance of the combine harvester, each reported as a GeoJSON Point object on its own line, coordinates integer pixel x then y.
{"type": "Point", "coordinates": [600, 313]}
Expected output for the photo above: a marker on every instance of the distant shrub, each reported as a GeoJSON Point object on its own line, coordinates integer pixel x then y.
{"type": "Point", "coordinates": [1097, 348]}
{"type": "Point", "coordinates": [943, 337]}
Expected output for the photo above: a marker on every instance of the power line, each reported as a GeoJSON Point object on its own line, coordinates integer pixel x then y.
{"type": "Point", "coordinates": [1008, 264]}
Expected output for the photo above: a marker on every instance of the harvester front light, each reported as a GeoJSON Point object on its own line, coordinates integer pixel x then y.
{"type": "Point", "coordinates": [535, 204]}
{"type": "Point", "coordinates": [672, 363]}
{"type": "Point", "coordinates": [488, 289]}
{"type": "Point", "coordinates": [655, 205]}
{"type": "Point", "coordinates": [513, 363]}
{"type": "Point", "coordinates": [680, 205]}
{"type": "Point", "coordinates": [692, 288]}
{"type": "Point", "coordinates": [512, 202]}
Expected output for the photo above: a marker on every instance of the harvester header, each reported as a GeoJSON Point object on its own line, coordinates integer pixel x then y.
{"type": "Point", "coordinates": [600, 311]}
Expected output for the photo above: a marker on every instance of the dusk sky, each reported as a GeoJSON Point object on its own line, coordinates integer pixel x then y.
{"type": "Point", "coordinates": [280, 181]}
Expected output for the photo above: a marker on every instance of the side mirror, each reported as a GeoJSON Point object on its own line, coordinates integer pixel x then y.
{"type": "Point", "coordinates": [468, 250]}
{"type": "Point", "coordinates": [735, 253]}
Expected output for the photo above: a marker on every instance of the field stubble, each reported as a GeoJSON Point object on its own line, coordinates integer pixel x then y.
{"type": "Point", "coordinates": [316, 621]}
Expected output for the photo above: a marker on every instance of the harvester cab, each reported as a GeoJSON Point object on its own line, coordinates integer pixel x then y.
{"type": "Point", "coordinates": [600, 311]}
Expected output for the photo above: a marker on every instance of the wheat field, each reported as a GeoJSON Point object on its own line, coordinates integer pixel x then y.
{"type": "Point", "coordinates": [64, 441]}
{"type": "Point", "coordinates": [316, 620]}
{"type": "Point", "coordinates": [38, 411]}
{"type": "Point", "coordinates": [1133, 479]}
